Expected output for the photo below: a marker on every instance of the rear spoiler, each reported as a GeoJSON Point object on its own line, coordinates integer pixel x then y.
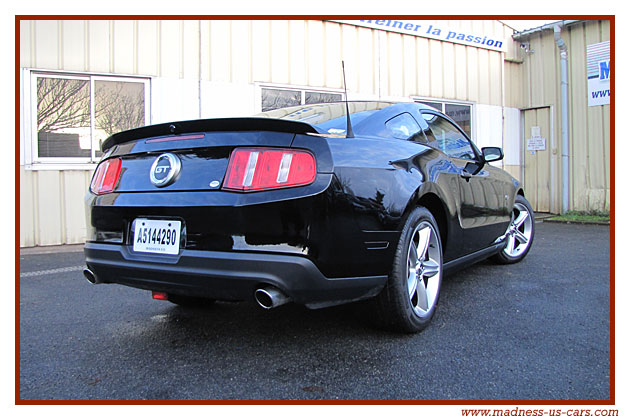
{"type": "Point", "coordinates": [215, 124]}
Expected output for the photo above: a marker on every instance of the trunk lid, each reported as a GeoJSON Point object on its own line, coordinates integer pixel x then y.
{"type": "Point", "coordinates": [204, 158]}
{"type": "Point", "coordinates": [203, 148]}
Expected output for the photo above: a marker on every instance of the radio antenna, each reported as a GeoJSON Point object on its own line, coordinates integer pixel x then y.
{"type": "Point", "coordinates": [349, 132]}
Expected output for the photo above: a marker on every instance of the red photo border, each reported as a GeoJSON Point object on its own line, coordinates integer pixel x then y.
{"type": "Point", "coordinates": [18, 401]}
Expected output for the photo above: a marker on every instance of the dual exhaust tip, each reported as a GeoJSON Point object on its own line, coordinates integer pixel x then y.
{"type": "Point", "coordinates": [267, 297]}
{"type": "Point", "coordinates": [90, 276]}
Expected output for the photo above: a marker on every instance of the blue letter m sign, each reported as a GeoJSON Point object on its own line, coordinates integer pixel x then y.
{"type": "Point", "coordinates": [604, 70]}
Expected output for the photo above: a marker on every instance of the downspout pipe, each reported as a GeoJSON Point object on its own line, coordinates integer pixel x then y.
{"type": "Point", "coordinates": [564, 108]}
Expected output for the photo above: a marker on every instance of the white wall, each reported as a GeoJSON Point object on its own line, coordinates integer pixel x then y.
{"type": "Point", "coordinates": [489, 125]}
{"type": "Point", "coordinates": [174, 99]}
{"type": "Point", "coordinates": [512, 136]}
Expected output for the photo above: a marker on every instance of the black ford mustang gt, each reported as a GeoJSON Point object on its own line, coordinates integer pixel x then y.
{"type": "Point", "coordinates": [299, 205]}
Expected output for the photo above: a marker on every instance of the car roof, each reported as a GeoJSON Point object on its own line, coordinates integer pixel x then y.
{"type": "Point", "coordinates": [322, 113]}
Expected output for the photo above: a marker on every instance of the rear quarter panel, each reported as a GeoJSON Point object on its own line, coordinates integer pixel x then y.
{"type": "Point", "coordinates": [382, 179]}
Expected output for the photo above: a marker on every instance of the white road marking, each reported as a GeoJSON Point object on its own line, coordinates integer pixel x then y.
{"type": "Point", "coordinates": [52, 271]}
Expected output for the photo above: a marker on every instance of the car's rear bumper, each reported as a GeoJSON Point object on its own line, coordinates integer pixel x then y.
{"type": "Point", "coordinates": [226, 275]}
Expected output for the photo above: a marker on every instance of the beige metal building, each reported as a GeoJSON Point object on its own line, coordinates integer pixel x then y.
{"type": "Point", "coordinates": [537, 79]}
{"type": "Point", "coordinates": [83, 80]}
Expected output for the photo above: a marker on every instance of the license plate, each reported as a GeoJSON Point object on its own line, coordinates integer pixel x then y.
{"type": "Point", "coordinates": [157, 236]}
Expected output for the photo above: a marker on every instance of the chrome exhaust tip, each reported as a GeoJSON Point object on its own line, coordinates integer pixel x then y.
{"type": "Point", "coordinates": [270, 297]}
{"type": "Point", "coordinates": [90, 276]}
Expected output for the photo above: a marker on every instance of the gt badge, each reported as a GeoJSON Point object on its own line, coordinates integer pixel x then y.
{"type": "Point", "coordinates": [165, 169]}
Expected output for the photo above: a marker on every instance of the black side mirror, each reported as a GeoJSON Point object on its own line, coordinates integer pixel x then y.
{"type": "Point", "coordinates": [491, 154]}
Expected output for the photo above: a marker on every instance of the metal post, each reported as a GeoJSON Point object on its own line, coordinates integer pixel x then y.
{"type": "Point", "coordinates": [564, 110]}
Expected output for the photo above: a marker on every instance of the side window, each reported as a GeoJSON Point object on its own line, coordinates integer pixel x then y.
{"type": "Point", "coordinates": [448, 138]}
{"type": "Point", "coordinates": [405, 127]}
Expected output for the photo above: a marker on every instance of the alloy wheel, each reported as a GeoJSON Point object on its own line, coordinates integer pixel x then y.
{"type": "Point", "coordinates": [424, 266]}
{"type": "Point", "coordinates": [519, 233]}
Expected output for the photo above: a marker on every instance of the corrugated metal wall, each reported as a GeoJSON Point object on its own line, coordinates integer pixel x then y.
{"type": "Point", "coordinates": [51, 206]}
{"type": "Point", "coordinates": [292, 52]}
{"type": "Point", "coordinates": [230, 57]}
{"type": "Point", "coordinates": [589, 152]}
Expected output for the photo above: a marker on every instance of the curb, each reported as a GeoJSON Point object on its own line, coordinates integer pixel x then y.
{"type": "Point", "coordinates": [573, 222]}
{"type": "Point", "coordinates": [51, 249]}
{"type": "Point", "coordinates": [540, 217]}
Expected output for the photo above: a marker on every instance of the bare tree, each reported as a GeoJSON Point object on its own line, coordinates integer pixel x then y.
{"type": "Point", "coordinates": [118, 106]}
{"type": "Point", "coordinates": [65, 103]}
{"type": "Point", "coordinates": [276, 98]}
{"type": "Point", "coordinates": [62, 103]}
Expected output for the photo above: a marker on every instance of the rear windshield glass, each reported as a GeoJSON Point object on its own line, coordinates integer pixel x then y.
{"type": "Point", "coordinates": [328, 117]}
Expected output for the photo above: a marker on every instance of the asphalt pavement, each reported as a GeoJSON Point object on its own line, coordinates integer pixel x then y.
{"type": "Point", "coordinates": [537, 330]}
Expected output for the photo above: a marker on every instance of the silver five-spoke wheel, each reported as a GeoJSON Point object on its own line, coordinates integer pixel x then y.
{"type": "Point", "coordinates": [519, 235]}
{"type": "Point", "coordinates": [519, 232]}
{"type": "Point", "coordinates": [410, 298]}
{"type": "Point", "coordinates": [424, 262]}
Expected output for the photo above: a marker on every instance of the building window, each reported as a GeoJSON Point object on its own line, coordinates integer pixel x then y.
{"type": "Point", "coordinates": [460, 113]}
{"type": "Point", "coordinates": [274, 98]}
{"type": "Point", "coordinates": [74, 114]}
{"type": "Point", "coordinates": [320, 97]}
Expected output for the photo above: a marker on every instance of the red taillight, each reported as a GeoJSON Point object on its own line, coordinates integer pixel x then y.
{"type": "Point", "coordinates": [106, 176]}
{"type": "Point", "coordinates": [258, 169]}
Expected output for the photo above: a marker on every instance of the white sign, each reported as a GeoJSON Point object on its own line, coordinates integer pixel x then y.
{"type": "Point", "coordinates": [431, 29]}
{"type": "Point", "coordinates": [537, 143]}
{"type": "Point", "coordinates": [598, 73]}
{"type": "Point", "coordinates": [535, 131]}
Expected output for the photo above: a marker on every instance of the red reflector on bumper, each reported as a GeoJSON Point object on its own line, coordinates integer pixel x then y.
{"type": "Point", "coordinates": [160, 295]}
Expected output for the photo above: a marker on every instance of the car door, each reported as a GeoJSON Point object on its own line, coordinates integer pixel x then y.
{"type": "Point", "coordinates": [482, 199]}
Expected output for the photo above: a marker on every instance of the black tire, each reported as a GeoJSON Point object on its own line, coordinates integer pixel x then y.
{"type": "Point", "coordinates": [190, 301]}
{"type": "Point", "coordinates": [400, 307]}
{"type": "Point", "coordinates": [520, 233]}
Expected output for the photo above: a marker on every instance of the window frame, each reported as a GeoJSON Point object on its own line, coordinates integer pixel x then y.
{"type": "Point", "coordinates": [473, 146]}
{"type": "Point", "coordinates": [303, 89]}
{"type": "Point", "coordinates": [409, 138]}
{"type": "Point", "coordinates": [32, 160]}
{"type": "Point", "coordinates": [444, 102]}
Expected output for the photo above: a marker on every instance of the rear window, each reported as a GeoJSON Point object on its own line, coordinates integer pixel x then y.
{"type": "Point", "coordinates": [328, 118]}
